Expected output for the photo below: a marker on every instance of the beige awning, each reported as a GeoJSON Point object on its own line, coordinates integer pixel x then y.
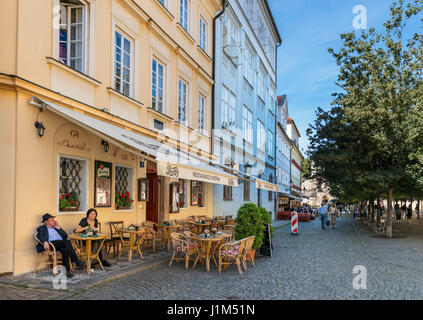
{"type": "Point", "coordinates": [261, 184]}
{"type": "Point", "coordinates": [170, 161]}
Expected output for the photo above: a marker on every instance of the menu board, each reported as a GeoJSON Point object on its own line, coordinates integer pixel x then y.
{"type": "Point", "coordinates": [103, 184]}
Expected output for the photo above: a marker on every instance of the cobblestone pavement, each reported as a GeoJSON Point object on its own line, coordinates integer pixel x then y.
{"type": "Point", "coordinates": [317, 264]}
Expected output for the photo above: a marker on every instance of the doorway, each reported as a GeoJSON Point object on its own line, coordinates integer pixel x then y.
{"type": "Point", "coordinates": [152, 206]}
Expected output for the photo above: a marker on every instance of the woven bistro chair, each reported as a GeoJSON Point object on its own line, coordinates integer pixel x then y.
{"type": "Point", "coordinates": [231, 253]}
{"type": "Point", "coordinates": [114, 240]}
{"type": "Point", "coordinates": [231, 229]}
{"type": "Point", "coordinates": [55, 257]}
{"type": "Point", "coordinates": [248, 252]}
{"type": "Point", "coordinates": [181, 244]}
{"type": "Point", "coordinates": [154, 234]}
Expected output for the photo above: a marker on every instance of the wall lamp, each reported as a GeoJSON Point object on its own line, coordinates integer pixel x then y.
{"type": "Point", "coordinates": [40, 128]}
{"type": "Point", "coordinates": [106, 145]}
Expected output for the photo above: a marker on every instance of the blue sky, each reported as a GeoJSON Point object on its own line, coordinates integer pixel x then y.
{"type": "Point", "coordinates": [306, 71]}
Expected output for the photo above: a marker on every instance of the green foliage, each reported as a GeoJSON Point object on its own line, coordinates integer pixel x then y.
{"type": "Point", "coordinates": [306, 165]}
{"type": "Point", "coordinates": [249, 222]}
{"type": "Point", "coordinates": [266, 218]}
{"type": "Point", "coordinates": [68, 200]}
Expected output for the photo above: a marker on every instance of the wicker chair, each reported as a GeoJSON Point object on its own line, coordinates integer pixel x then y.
{"type": "Point", "coordinates": [114, 240]}
{"type": "Point", "coordinates": [248, 252]}
{"type": "Point", "coordinates": [181, 244]}
{"type": "Point", "coordinates": [231, 253]}
{"type": "Point", "coordinates": [154, 233]}
{"type": "Point", "coordinates": [55, 258]}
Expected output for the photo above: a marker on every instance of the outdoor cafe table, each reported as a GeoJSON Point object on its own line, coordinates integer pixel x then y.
{"type": "Point", "coordinates": [135, 241]}
{"type": "Point", "coordinates": [198, 226]}
{"type": "Point", "coordinates": [84, 252]}
{"type": "Point", "coordinates": [207, 250]}
{"type": "Point", "coordinates": [169, 229]}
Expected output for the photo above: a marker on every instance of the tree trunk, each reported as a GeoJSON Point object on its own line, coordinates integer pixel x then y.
{"type": "Point", "coordinates": [372, 210]}
{"type": "Point", "coordinates": [388, 222]}
{"type": "Point", "coordinates": [418, 209]}
{"type": "Point", "coordinates": [378, 211]}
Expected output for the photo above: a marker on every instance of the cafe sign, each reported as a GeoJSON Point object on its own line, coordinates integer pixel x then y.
{"type": "Point", "coordinates": [261, 184]}
{"type": "Point", "coordinates": [191, 173]}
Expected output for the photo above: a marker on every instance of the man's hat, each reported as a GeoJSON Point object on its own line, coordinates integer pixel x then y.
{"type": "Point", "coordinates": [46, 217]}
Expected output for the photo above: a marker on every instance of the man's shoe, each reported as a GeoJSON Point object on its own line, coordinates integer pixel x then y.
{"type": "Point", "coordinates": [69, 274]}
{"type": "Point", "coordinates": [105, 263]}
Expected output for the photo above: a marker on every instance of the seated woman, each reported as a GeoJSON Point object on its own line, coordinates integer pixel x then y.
{"type": "Point", "coordinates": [91, 221]}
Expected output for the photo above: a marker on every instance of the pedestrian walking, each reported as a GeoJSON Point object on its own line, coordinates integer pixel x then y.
{"type": "Point", "coordinates": [409, 213]}
{"type": "Point", "coordinates": [356, 212]}
{"type": "Point", "coordinates": [398, 212]}
{"type": "Point", "coordinates": [323, 212]}
{"type": "Point", "coordinates": [333, 213]}
{"type": "Point", "coordinates": [404, 211]}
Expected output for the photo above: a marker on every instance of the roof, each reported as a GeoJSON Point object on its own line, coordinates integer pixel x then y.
{"type": "Point", "coordinates": [281, 99]}
{"type": "Point", "coordinates": [266, 2]}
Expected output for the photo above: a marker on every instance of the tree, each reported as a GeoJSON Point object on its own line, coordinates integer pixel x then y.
{"type": "Point", "coordinates": [369, 137]}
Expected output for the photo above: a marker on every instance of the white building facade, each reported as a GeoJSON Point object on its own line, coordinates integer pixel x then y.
{"type": "Point", "coordinates": [244, 123]}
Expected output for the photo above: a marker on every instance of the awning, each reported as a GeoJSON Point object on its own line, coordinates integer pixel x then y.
{"type": "Point", "coordinates": [171, 162]}
{"type": "Point", "coordinates": [260, 184]}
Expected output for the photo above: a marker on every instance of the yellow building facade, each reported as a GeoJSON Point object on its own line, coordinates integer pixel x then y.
{"type": "Point", "coordinates": [143, 66]}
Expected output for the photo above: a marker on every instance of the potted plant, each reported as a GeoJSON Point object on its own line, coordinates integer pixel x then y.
{"type": "Point", "coordinates": [123, 200]}
{"type": "Point", "coordinates": [68, 202]}
{"type": "Point", "coordinates": [249, 223]}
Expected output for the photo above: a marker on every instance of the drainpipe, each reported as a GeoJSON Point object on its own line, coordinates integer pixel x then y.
{"type": "Point", "coordinates": [224, 4]}
{"type": "Point", "coordinates": [276, 120]}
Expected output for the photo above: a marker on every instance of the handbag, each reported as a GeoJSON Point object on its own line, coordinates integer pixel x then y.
{"type": "Point", "coordinates": [328, 223]}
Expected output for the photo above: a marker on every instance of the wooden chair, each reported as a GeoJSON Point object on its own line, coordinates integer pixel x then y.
{"type": "Point", "coordinates": [231, 253]}
{"type": "Point", "coordinates": [202, 218]}
{"type": "Point", "coordinates": [154, 233]}
{"type": "Point", "coordinates": [181, 244]}
{"type": "Point", "coordinates": [248, 252]}
{"type": "Point", "coordinates": [55, 258]}
{"type": "Point", "coordinates": [231, 229]}
{"type": "Point", "coordinates": [114, 240]}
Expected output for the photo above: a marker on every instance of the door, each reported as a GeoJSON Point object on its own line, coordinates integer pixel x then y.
{"type": "Point", "coordinates": [152, 208]}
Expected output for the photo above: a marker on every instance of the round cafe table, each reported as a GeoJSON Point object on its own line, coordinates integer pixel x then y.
{"type": "Point", "coordinates": [169, 230]}
{"type": "Point", "coordinates": [84, 252]}
{"type": "Point", "coordinates": [135, 241]}
{"type": "Point", "coordinates": [205, 251]}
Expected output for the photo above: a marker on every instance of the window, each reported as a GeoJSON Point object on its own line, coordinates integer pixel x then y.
{"type": "Point", "coordinates": [271, 100]}
{"type": "Point", "coordinates": [122, 63]}
{"type": "Point", "coordinates": [260, 84]}
{"type": "Point", "coordinates": [183, 13]}
{"type": "Point", "coordinates": [198, 192]}
{"type": "Point", "coordinates": [182, 102]}
{"type": "Point", "coordinates": [246, 190]}
{"type": "Point", "coordinates": [72, 36]}
{"type": "Point", "coordinates": [124, 187]}
{"type": "Point", "coordinates": [201, 113]}
{"type": "Point", "coordinates": [157, 86]}
{"type": "Point", "coordinates": [73, 182]}
{"type": "Point", "coordinates": [228, 104]}
{"type": "Point", "coordinates": [230, 35]}
{"type": "Point", "coordinates": [248, 65]}
{"type": "Point", "coordinates": [247, 119]}
{"type": "Point", "coordinates": [270, 144]}
{"type": "Point", "coordinates": [271, 192]}
{"type": "Point", "coordinates": [178, 196]}
{"type": "Point", "coordinates": [260, 136]}
{"type": "Point", "coordinates": [203, 34]}
{"type": "Point", "coordinates": [227, 190]}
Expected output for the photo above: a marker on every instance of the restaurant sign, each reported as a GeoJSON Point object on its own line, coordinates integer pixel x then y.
{"type": "Point", "coordinates": [261, 184]}
{"type": "Point", "coordinates": [180, 172]}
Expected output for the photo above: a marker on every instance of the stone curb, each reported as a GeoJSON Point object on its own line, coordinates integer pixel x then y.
{"type": "Point", "coordinates": [112, 278]}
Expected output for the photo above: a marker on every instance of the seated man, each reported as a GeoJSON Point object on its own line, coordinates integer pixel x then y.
{"type": "Point", "coordinates": [51, 231]}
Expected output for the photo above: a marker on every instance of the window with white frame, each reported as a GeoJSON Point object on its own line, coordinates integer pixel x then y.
{"type": "Point", "coordinates": [124, 187]}
{"type": "Point", "coordinates": [260, 83]}
{"type": "Point", "coordinates": [72, 184]}
{"type": "Point", "coordinates": [182, 102]}
{"type": "Point", "coordinates": [230, 36]}
{"type": "Point", "coordinates": [271, 100]}
{"type": "Point", "coordinates": [228, 105]}
{"type": "Point", "coordinates": [157, 85]}
{"type": "Point", "coordinates": [248, 64]}
{"type": "Point", "coordinates": [247, 123]}
{"type": "Point", "coordinates": [72, 35]}
{"type": "Point", "coordinates": [122, 75]}
{"type": "Point", "coordinates": [203, 34]}
{"type": "Point", "coordinates": [184, 14]}
{"type": "Point", "coordinates": [261, 143]}
{"type": "Point", "coordinates": [201, 113]}
{"type": "Point", "coordinates": [270, 144]}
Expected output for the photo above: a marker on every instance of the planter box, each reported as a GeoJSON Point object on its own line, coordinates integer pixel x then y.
{"type": "Point", "coordinates": [284, 215]}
